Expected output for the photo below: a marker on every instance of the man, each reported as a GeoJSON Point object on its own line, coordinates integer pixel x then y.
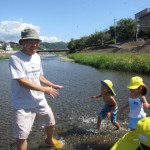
{"type": "Point", "coordinates": [28, 88]}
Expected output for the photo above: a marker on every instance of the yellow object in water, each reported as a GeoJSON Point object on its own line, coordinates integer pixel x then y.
{"type": "Point", "coordinates": [129, 141]}
{"type": "Point", "coordinates": [58, 144]}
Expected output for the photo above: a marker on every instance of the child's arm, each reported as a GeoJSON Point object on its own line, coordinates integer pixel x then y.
{"type": "Point", "coordinates": [95, 97]}
{"type": "Point", "coordinates": [145, 103]}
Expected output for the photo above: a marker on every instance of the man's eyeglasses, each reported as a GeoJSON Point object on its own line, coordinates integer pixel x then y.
{"type": "Point", "coordinates": [33, 41]}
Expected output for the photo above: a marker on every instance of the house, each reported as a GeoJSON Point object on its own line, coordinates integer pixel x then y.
{"type": "Point", "coordinates": [1, 45]}
{"type": "Point", "coordinates": [143, 19]}
{"type": "Point", "coordinates": [8, 47]}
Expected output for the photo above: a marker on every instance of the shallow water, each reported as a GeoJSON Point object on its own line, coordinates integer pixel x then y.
{"type": "Point", "coordinates": [74, 110]}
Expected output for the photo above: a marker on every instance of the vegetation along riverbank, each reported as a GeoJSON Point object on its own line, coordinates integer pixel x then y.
{"type": "Point", "coordinates": [4, 55]}
{"type": "Point", "coordinates": [127, 58]}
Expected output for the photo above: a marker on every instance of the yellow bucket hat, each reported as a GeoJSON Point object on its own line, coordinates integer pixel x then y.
{"type": "Point", "coordinates": [143, 131]}
{"type": "Point", "coordinates": [135, 82]}
{"type": "Point", "coordinates": [109, 84]}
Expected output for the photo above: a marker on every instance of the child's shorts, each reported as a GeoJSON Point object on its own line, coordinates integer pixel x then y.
{"type": "Point", "coordinates": [23, 120]}
{"type": "Point", "coordinates": [132, 122]}
{"type": "Point", "coordinates": [107, 109]}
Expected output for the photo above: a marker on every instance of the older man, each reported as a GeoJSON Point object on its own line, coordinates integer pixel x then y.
{"type": "Point", "coordinates": [28, 99]}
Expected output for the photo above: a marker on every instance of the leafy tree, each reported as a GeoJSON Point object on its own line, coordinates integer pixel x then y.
{"type": "Point", "coordinates": [112, 31]}
{"type": "Point", "coordinates": [126, 29]}
{"type": "Point", "coordinates": [72, 45]}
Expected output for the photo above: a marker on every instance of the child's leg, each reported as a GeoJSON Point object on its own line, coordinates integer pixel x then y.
{"type": "Point", "coordinates": [102, 115]}
{"type": "Point", "coordinates": [114, 118]}
{"type": "Point", "coordinates": [117, 125]}
{"type": "Point", "coordinates": [98, 123]}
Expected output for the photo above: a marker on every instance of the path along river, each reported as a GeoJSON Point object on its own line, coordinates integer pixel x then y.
{"type": "Point", "coordinates": [75, 111]}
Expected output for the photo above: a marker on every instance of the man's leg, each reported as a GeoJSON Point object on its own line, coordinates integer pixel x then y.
{"type": "Point", "coordinates": [22, 123]}
{"type": "Point", "coordinates": [46, 117]}
{"type": "Point", "coordinates": [21, 144]}
{"type": "Point", "coordinates": [50, 132]}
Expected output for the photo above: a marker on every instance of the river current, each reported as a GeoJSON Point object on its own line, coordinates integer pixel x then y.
{"type": "Point", "coordinates": [75, 112]}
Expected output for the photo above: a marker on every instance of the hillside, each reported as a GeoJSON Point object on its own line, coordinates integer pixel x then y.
{"type": "Point", "coordinates": [57, 45]}
{"type": "Point", "coordinates": [135, 47]}
{"type": "Point", "coordinates": [129, 47]}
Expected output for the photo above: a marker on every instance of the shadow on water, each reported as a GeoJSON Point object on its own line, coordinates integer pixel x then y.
{"type": "Point", "coordinates": [93, 146]}
{"type": "Point", "coordinates": [78, 139]}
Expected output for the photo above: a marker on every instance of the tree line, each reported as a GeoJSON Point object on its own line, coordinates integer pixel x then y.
{"type": "Point", "coordinates": [126, 30]}
{"type": "Point", "coordinates": [42, 46]}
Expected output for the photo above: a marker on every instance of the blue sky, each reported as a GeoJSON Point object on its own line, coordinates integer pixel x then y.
{"type": "Point", "coordinates": [61, 20]}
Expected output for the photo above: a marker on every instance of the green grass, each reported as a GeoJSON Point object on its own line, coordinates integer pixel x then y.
{"type": "Point", "coordinates": [130, 62]}
{"type": "Point", "coordinates": [4, 56]}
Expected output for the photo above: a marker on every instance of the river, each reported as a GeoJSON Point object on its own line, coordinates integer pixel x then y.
{"type": "Point", "coordinates": [75, 112]}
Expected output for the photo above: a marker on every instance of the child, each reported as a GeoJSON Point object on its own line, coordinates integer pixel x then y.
{"type": "Point", "coordinates": [110, 108]}
{"type": "Point", "coordinates": [139, 139]}
{"type": "Point", "coordinates": [136, 100]}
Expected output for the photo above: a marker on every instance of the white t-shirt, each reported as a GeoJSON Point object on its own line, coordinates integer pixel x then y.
{"type": "Point", "coordinates": [136, 108]}
{"type": "Point", "coordinates": [24, 66]}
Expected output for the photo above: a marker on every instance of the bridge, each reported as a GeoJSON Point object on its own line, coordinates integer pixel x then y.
{"type": "Point", "coordinates": [53, 50]}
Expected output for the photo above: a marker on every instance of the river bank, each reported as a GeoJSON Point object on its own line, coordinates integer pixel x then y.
{"type": "Point", "coordinates": [130, 57]}
{"type": "Point", "coordinates": [127, 62]}
{"type": "Point", "coordinates": [5, 54]}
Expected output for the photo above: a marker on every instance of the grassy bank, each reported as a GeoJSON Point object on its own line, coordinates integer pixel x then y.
{"type": "Point", "coordinates": [130, 62]}
{"type": "Point", "coordinates": [4, 56]}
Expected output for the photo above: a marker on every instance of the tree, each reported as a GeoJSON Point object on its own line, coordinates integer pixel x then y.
{"type": "Point", "coordinates": [126, 30]}
{"type": "Point", "coordinates": [112, 31]}
{"type": "Point", "coordinates": [72, 46]}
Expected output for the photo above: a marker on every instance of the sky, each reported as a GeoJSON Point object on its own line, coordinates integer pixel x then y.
{"type": "Point", "coordinates": [63, 20]}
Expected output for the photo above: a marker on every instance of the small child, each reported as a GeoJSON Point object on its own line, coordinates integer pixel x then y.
{"type": "Point", "coordinates": [136, 101]}
{"type": "Point", "coordinates": [139, 139]}
{"type": "Point", "coordinates": [110, 108]}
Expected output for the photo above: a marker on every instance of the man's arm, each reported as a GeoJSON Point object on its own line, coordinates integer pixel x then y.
{"type": "Point", "coordinates": [48, 83]}
{"type": "Point", "coordinates": [32, 86]}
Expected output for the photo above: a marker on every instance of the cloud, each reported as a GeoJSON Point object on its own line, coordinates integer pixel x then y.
{"type": "Point", "coordinates": [49, 39]}
{"type": "Point", "coordinates": [11, 30]}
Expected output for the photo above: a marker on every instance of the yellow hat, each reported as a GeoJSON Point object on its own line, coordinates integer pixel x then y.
{"type": "Point", "coordinates": [135, 82]}
{"type": "Point", "coordinates": [143, 131]}
{"type": "Point", "coordinates": [109, 84]}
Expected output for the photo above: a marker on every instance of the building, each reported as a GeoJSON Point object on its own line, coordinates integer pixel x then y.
{"type": "Point", "coordinates": [143, 19]}
{"type": "Point", "coordinates": [1, 44]}
{"type": "Point", "coordinates": [8, 47]}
